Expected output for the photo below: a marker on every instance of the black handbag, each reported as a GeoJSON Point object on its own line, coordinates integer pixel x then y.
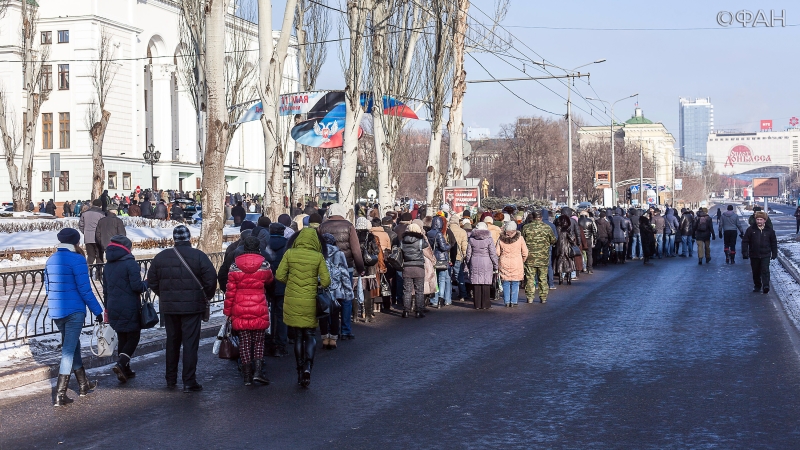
{"type": "Point", "coordinates": [148, 317]}
{"type": "Point", "coordinates": [574, 251]}
{"type": "Point", "coordinates": [370, 257]}
{"type": "Point", "coordinates": [386, 289]}
{"type": "Point", "coordinates": [395, 258]}
{"type": "Point", "coordinates": [324, 302]}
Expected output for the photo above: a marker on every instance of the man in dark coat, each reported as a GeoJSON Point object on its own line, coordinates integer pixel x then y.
{"type": "Point", "coordinates": [108, 227]}
{"type": "Point", "coordinates": [105, 200]}
{"type": "Point", "coordinates": [703, 234]}
{"type": "Point", "coordinates": [276, 247]}
{"type": "Point", "coordinates": [161, 211]}
{"type": "Point", "coordinates": [176, 213]}
{"type": "Point", "coordinates": [760, 245]}
{"type": "Point", "coordinates": [50, 208]}
{"type": "Point", "coordinates": [238, 214]}
{"type": "Point", "coordinates": [88, 226]}
{"type": "Point", "coordinates": [604, 234]}
{"type": "Point", "coordinates": [134, 210]}
{"type": "Point", "coordinates": [183, 297]}
{"type": "Point", "coordinates": [147, 208]}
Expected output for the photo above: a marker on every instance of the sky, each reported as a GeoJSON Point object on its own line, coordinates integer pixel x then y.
{"type": "Point", "coordinates": [748, 73]}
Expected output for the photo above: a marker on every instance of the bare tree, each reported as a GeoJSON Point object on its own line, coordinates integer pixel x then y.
{"type": "Point", "coordinates": [240, 70]}
{"type": "Point", "coordinates": [192, 71]}
{"type": "Point", "coordinates": [102, 74]}
{"type": "Point", "coordinates": [355, 70]}
{"type": "Point", "coordinates": [271, 62]}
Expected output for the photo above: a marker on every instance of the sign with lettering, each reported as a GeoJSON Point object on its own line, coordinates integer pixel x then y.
{"type": "Point", "coordinates": [602, 179]}
{"type": "Point", "coordinates": [460, 198]}
{"type": "Point", "coordinates": [766, 125]}
{"type": "Point", "coordinates": [741, 154]}
{"type": "Point", "coordinates": [766, 187]}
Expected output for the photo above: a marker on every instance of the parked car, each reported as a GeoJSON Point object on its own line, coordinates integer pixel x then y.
{"type": "Point", "coordinates": [190, 208]}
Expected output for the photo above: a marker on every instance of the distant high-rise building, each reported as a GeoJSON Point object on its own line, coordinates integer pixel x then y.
{"type": "Point", "coordinates": [696, 121]}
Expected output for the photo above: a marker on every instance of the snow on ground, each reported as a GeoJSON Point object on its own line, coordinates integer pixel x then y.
{"type": "Point", "coordinates": [788, 291]}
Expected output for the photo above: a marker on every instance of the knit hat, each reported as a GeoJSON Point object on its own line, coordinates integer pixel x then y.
{"type": "Point", "coordinates": [276, 228]}
{"type": "Point", "coordinates": [97, 202]}
{"type": "Point", "coordinates": [264, 221]}
{"type": "Point", "coordinates": [122, 240]}
{"type": "Point", "coordinates": [488, 219]}
{"type": "Point", "coordinates": [329, 239]}
{"type": "Point", "coordinates": [246, 225]}
{"type": "Point", "coordinates": [414, 228]}
{"type": "Point", "coordinates": [337, 209]}
{"type": "Point", "coordinates": [760, 215]}
{"type": "Point", "coordinates": [314, 218]}
{"type": "Point", "coordinates": [69, 236]}
{"type": "Point", "coordinates": [362, 223]}
{"type": "Point", "coordinates": [252, 245]}
{"type": "Point", "coordinates": [387, 221]}
{"type": "Point", "coordinates": [467, 226]}
{"type": "Point", "coordinates": [506, 217]}
{"type": "Point", "coordinates": [182, 234]}
{"type": "Point", "coordinates": [482, 226]}
{"type": "Point", "coordinates": [285, 220]}
{"type": "Point", "coordinates": [510, 226]}
{"type": "Point", "coordinates": [406, 217]}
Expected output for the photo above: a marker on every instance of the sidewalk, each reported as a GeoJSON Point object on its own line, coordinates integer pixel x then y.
{"type": "Point", "coordinates": [44, 364]}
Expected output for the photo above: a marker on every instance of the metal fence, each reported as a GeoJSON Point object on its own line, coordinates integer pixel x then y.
{"type": "Point", "coordinates": [23, 301]}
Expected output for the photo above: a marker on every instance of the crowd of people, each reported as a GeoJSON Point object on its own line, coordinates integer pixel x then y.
{"type": "Point", "coordinates": [399, 263]}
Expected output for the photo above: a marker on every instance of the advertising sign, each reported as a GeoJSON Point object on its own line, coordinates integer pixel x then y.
{"type": "Point", "coordinates": [460, 198]}
{"type": "Point", "coordinates": [602, 179]}
{"type": "Point", "coordinates": [766, 187]}
{"type": "Point", "coordinates": [766, 125]}
{"type": "Point", "coordinates": [652, 199]}
{"type": "Point", "coordinates": [678, 184]}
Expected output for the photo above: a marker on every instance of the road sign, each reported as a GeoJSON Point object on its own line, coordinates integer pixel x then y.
{"type": "Point", "coordinates": [602, 179]}
{"type": "Point", "coordinates": [55, 165]}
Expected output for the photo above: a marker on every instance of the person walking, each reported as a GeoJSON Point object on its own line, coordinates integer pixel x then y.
{"type": "Point", "coordinates": [729, 227]}
{"type": "Point", "coordinates": [302, 269]}
{"type": "Point", "coordinates": [105, 200]}
{"type": "Point", "coordinates": [539, 238]}
{"type": "Point", "coordinates": [276, 247]}
{"type": "Point", "coordinates": [760, 245]}
{"type": "Point", "coordinates": [659, 223]}
{"type": "Point", "coordinates": [635, 249]}
{"type": "Point", "coordinates": [367, 282]}
{"type": "Point", "coordinates": [413, 244]}
{"type": "Point", "coordinates": [703, 234]}
{"type": "Point", "coordinates": [687, 233]}
{"type": "Point", "coordinates": [564, 265]}
{"type": "Point", "coordinates": [511, 254]}
{"type": "Point", "coordinates": [589, 230]}
{"type": "Point", "coordinates": [88, 226]}
{"type": "Point", "coordinates": [671, 227]}
{"type": "Point", "coordinates": [340, 289]}
{"type": "Point", "coordinates": [441, 251]}
{"type": "Point", "coordinates": [66, 209]}
{"type": "Point", "coordinates": [481, 258]}
{"type": "Point", "coordinates": [249, 279]}
{"type": "Point", "coordinates": [69, 293]}
{"type": "Point", "coordinates": [797, 219]}
{"type": "Point", "coordinates": [184, 280]}
{"type": "Point", "coordinates": [383, 276]}
{"type": "Point", "coordinates": [122, 288]}
{"type": "Point", "coordinates": [147, 207]}
{"type": "Point", "coordinates": [238, 213]}
{"type": "Point", "coordinates": [619, 235]}
{"type": "Point", "coordinates": [176, 212]}
{"type": "Point", "coordinates": [134, 210]}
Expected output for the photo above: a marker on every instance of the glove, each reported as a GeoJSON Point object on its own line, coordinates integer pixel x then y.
{"type": "Point", "coordinates": [98, 319]}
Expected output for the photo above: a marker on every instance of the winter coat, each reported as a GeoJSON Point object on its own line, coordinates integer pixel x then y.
{"type": "Point", "coordinates": [758, 243]}
{"type": "Point", "coordinates": [659, 223]}
{"type": "Point", "coordinates": [620, 228]}
{"type": "Point", "coordinates": [400, 230]}
{"type": "Point", "coordinates": [227, 261]}
{"type": "Point", "coordinates": [67, 284]}
{"type": "Point", "coordinates": [412, 246]}
{"type": "Point", "coordinates": [589, 229]}
{"type": "Point", "coordinates": [566, 239]}
{"type": "Point", "coordinates": [671, 224]}
{"type": "Point", "coordinates": [634, 216]}
{"type": "Point", "coordinates": [539, 238]}
{"type": "Point", "coordinates": [341, 288]}
{"type": "Point", "coordinates": [512, 253]}
{"type": "Point", "coordinates": [392, 235]}
{"type": "Point", "coordinates": [687, 224]}
{"type": "Point", "coordinates": [245, 296]}
{"type": "Point", "coordinates": [730, 222]}
{"type": "Point", "coordinates": [178, 292]}
{"type": "Point", "coordinates": [50, 208]}
{"type": "Point", "coordinates": [495, 231]}
{"type": "Point", "coordinates": [88, 223]}
{"type": "Point", "coordinates": [383, 238]}
{"type": "Point", "coordinates": [176, 213]}
{"type": "Point", "coordinates": [77, 211]}
{"type": "Point", "coordinates": [706, 234]}
{"type": "Point", "coordinates": [161, 211]}
{"type": "Point", "coordinates": [276, 247]}
{"type": "Point", "coordinates": [437, 240]}
{"type": "Point", "coordinates": [107, 228]}
{"type": "Point", "coordinates": [134, 211]}
{"type": "Point", "coordinates": [147, 209]}
{"type": "Point", "coordinates": [302, 269]}
{"type": "Point", "coordinates": [604, 230]}
{"type": "Point", "coordinates": [122, 287]}
{"type": "Point", "coordinates": [481, 257]}
{"type": "Point", "coordinates": [461, 240]}
{"type": "Point", "coordinates": [430, 280]}
{"type": "Point", "coordinates": [648, 236]}
{"type": "Point", "coordinates": [346, 240]}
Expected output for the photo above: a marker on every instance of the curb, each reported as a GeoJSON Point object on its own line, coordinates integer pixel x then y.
{"type": "Point", "coordinates": [788, 267]}
{"type": "Point", "coordinates": [49, 369]}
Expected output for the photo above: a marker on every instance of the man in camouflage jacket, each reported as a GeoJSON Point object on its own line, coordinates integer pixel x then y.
{"type": "Point", "coordinates": [539, 237]}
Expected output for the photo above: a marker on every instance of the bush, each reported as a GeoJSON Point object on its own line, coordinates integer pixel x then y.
{"type": "Point", "coordinates": [23, 225]}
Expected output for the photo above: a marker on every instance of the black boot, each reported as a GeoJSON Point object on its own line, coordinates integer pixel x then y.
{"type": "Point", "coordinates": [733, 257]}
{"type": "Point", "coordinates": [84, 384]}
{"type": "Point", "coordinates": [61, 391]}
{"type": "Point", "coordinates": [129, 373]}
{"type": "Point", "coordinates": [119, 368]}
{"type": "Point", "coordinates": [305, 376]}
{"type": "Point", "coordinates": [259, 372]}
{"type": "Point", "coordinates": [247, 374]}
{"type": "Point", "coordinates": [369, 308]}
{"type": "Point", "coordinates": [727, 258]}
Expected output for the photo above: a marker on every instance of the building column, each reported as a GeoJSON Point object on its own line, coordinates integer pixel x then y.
{"type": "Point", "coordinates": [162, 108]}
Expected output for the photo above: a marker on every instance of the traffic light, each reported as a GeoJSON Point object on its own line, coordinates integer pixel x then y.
{"type": "Point", "coordinates": [628, 195]}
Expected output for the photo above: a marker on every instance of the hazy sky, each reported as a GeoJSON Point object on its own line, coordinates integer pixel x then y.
{"type": "Point", "coordinates": [749, 73]}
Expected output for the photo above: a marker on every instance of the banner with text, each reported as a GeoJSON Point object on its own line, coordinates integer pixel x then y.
{"type": "Point", "coordinates": [460, 198]}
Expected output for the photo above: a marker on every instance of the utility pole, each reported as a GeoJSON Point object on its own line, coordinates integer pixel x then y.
{"type": "Point", "coordinates": [641, 174]}
{"type": "Point", "coordinates": [655, 175]}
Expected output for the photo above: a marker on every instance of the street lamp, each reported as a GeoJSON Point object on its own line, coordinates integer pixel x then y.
{"type": "Point", "coordinates": [151, 156]}
{"type": "Point", "coordinates": [613, 168]}
{"type": "Point", "coordinates": [319, 172]}
{"type": "Point", "coordinates": [360, 175]}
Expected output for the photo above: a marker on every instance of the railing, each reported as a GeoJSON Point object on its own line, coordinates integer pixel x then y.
{"type": "Point", "coordinates": [23, 301]}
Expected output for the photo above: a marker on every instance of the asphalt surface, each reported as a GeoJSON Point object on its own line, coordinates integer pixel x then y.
{"type": "Point", "coordinates": [672, 355]}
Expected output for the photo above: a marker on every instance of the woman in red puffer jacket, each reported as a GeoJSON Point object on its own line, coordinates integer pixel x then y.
{"type": "Point", "coordinates": [246, 306]}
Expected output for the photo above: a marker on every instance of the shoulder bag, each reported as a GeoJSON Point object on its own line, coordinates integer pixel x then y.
{"type": "Point", "coordinates": [370, 258]}
{"type": "Point", "coordinates": [207, 312]}
{"type": "Point", "coordinates": [106, 339]}
{"type": "Point", "coordinates": [148, 317]}
{"type": "Point", "coordinates": [227, 346]}
{"type": "Point", "coordinates": [324, 301]}
{"type": "Point", "coordinates": [395, 258]}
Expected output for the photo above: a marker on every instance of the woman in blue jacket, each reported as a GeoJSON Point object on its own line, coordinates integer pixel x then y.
{"type": "Point", "coordinates": [122, 286]}
{"type": "Point", "coordinates": [69, 292]}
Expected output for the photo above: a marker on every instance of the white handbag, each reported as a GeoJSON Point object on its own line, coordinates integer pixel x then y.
{"type": "Point", "coordinates": [106, 339]}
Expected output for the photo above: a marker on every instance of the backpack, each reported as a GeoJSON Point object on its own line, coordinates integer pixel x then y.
{"type": "Point", "coordinates": [686, 225]}
{"type": "Point", "coordinates": [702, 224]}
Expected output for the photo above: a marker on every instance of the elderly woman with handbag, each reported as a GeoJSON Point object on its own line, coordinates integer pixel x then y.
{"type": "Point", "coordinates": [122, 288]}
{"type": "Point", "coordinates": [303, 269]}
{"type": "Point", "coordinates": [69, 292]}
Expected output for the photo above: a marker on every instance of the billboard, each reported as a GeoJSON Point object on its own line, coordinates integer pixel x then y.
{"type": "Point", "coordinates": [738, 153]}
{"type": "Point", "coordinates": [678, 184]}
{"type": "Point", "coordinates": [602, 179]}
{"type": "Point", "coordinates": [766, 187]}
{"type": "Point", "coordinates": [766, 125]}
{"type": "Point", "coordinates": [459, 198]}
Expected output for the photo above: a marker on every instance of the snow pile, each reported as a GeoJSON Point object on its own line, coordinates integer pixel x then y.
{"type": "Point", "coordinates": [788, 291]}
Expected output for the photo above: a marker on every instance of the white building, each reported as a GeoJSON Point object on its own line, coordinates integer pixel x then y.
{"type": "Point", "coordinates": [149, 103]}
{"type": "Point", "coordinates": [754, 153]}
{"type": "Point", "coordinates": [477, 134]}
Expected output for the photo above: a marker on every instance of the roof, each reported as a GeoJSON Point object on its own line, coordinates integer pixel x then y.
{"type": "Point", "coordinates": [640, 120]}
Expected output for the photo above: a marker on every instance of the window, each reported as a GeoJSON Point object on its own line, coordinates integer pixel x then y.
{"type": "Point", "coordinates": [47, 37]}
{"type": "Point", "coordinates": [199, 184]}
{"type": "Point", "coordinates": [47, 131]}
{"type": "Point", "coordinates": [126, 181]}
{"type": "Point", "coordinates": [63, 76]}
{"type": "Point", "coordinates": [47, 182]}
{"type": "Point", "coordinates": [47, 77]}
{"type": "Point", "coordinates": [63, 130]}
{"type": "Point", "coordinates": [63, 36]}
{"type": "Point", "coordinates": [112, 180]}
{"type": "Point", "coordinates": [63, 181]}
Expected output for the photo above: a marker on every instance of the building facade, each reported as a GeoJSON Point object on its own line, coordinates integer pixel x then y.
{"type": "Point", "coordinates": [748, 155]}
{"type": "Point", "coordinates": [695, 122]}
{"type": "Point", "coordinates": [149, 102]}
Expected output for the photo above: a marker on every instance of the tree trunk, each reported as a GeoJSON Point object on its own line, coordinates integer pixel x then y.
{"type": "Point", "coordinates": [213, 196]}
{"type": "Point", "coordinates": [455, 125]}
{"type": "Point", "coordinates": [383, 155]}
{"type": "Point", "coordinates": [10, 146]}
{"type": "Point", "coordinates": [98, 134]}
{"type": "Point", "coordinates": [434, 176]}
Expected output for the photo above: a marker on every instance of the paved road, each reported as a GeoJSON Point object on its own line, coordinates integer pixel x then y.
{"type": "Point", "coordinates": [674, 355]}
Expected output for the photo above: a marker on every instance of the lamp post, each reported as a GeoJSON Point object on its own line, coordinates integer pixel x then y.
{"type": "Point", "coordinates": [151, 156]}
{"type": "Point", "coordinates": [613, 167]}
{"type": "Point", "coordinates": [319, 172]}
{"type": "Point", "coordinates": [360, 175]}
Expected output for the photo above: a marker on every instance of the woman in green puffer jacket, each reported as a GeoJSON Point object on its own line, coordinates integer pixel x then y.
{"type": "Point", "coordinates": [302, 269]}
